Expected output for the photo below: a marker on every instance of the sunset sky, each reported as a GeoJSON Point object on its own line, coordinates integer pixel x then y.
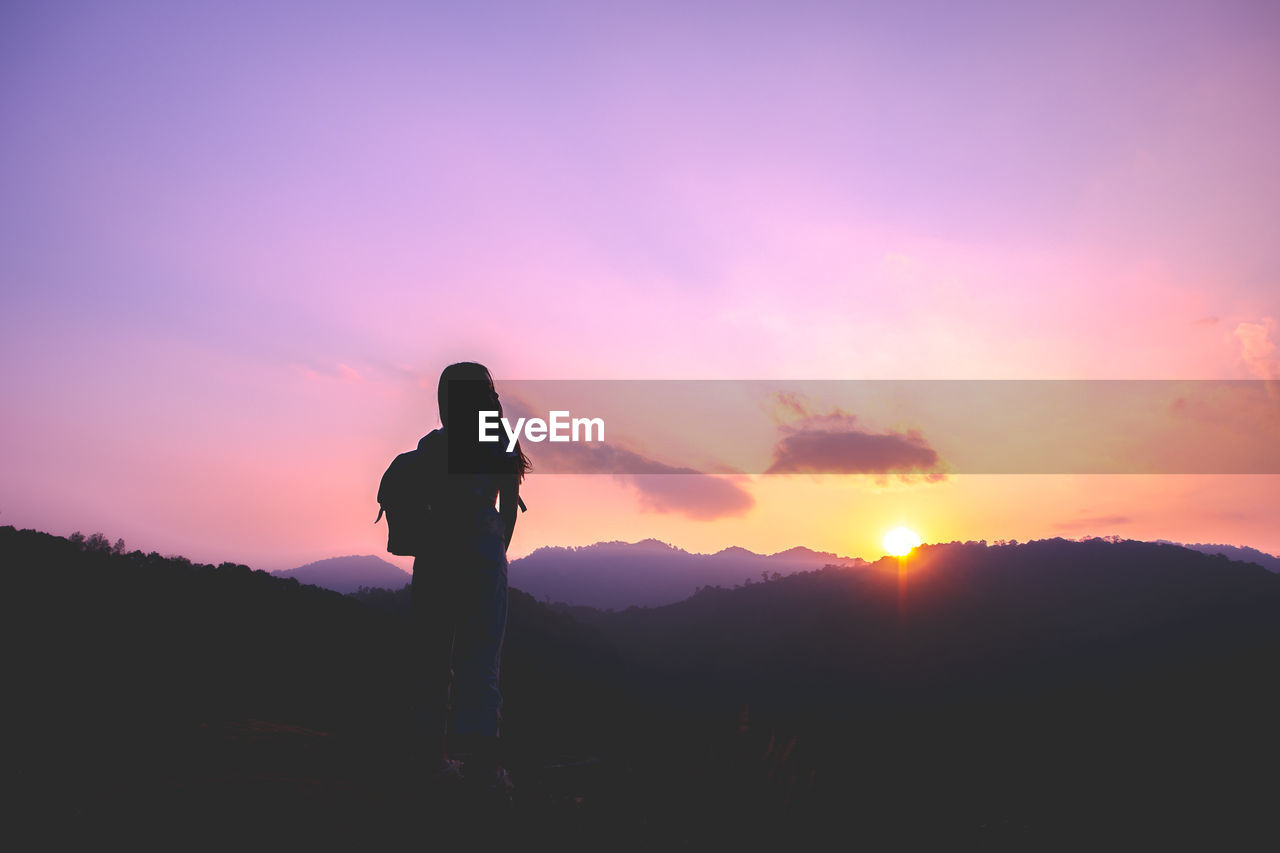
{"type": "Point", "coordinates": [239, 241]}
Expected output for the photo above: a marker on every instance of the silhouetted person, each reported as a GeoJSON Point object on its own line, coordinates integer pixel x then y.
{"type": "Point", "coordinates": [460, 578]}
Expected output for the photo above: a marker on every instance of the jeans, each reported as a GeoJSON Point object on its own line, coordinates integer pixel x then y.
{"type": "Point", "coordinates": [459, 619]}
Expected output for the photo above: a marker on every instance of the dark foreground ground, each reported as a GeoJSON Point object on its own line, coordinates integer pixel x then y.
{"type": "Point", "coordinates": [257, 784]}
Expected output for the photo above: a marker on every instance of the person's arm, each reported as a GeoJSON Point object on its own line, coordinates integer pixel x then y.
{"type": "Point", "coordinates": [508, 498]}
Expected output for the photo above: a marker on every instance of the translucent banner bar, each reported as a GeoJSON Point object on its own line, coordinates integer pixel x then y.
{"type": "Point", "coordinates": [888, 428]}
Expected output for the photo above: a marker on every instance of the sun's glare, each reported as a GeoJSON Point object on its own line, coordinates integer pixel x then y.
{"type": "Point", "coordinates": [899, 541]}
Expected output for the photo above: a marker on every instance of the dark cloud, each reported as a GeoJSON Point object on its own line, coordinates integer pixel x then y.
{"type": "Point", "coordinates": [599, 458]}
{"type": "Point", "coordinates": [833, 445]}
{"type": "Point", "coordinates": [660, 487]}
{"type": "Point", "coordinates": [702, 497]}
{"type": "Point", "coordinates": [833, 442]}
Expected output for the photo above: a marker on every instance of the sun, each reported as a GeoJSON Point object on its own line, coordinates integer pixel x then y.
{"type": "Point", "coordinates": [899, 541]}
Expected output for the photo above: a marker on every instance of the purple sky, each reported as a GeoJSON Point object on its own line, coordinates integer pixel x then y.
{"type": "Point", "coordinates": [237, 240]}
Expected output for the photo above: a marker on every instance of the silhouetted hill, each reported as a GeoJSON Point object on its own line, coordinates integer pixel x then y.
{"type": "Point", "coordinates": [649, 573]}
{"type": "Point", "coordinates": [348, 574]}
{"type": "Point", "coordinates": [1244, 554]}
{"type": "Point", "coordinates": [956, 617]}
{"type": "Point", "coordinates": [1051, 694]}
{"type": "Point", "coordinates": [1072, 686]}
{"type": "Point", "coordinates": [149, 694]}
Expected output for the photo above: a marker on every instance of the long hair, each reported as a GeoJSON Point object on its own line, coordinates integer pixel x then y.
{"type": "Point", "coordinates": [467, 387]}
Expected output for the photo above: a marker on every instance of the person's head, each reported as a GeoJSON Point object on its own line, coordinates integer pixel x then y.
{"type": "Point", "coordinates": [466, 389]}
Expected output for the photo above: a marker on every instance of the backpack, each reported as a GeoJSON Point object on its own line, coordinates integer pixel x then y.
{"type": "Point", "coordinates": [409, 486]}
{"type": "Point", "coordinates": [404, 496]}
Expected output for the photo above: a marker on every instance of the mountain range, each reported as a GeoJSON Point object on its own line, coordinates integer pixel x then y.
{"type": "Point", "coordinates": [1233, 552]}
{"type": "Point", "coordinates": [348, 574]}
{"type": "Point", "coordinates": [606, 575]}
{"type": "Point", "coordinates": [648, 573]}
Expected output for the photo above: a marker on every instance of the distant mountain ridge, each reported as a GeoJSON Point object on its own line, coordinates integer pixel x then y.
{"type": "Point", "coordinates": [348, 574]}
{"type": "Point", "coordinates": [1241, 553]}
{"type": "Point", "coordinates": [612, 574]}
{"type": "Point", "coordinates": [650, 572]}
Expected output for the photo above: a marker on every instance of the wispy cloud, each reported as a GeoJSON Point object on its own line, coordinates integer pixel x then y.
{"type": "Point", "coordinates": [1093, 521]}
{"type": "Point", "coordinates": [332, 370]}
{"type": "Point", "coordinates": [1258, 349]}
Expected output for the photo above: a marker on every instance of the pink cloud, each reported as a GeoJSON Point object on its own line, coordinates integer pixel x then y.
{"type": "Point", "coordinates": [1257, 349]}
